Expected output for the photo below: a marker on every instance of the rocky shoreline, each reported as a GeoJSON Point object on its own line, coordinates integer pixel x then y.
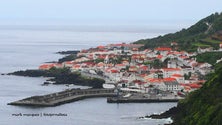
{"type": "Point", "coordinates": [61, 76]}
{"type": "Point", "coordinates": [171, 113]}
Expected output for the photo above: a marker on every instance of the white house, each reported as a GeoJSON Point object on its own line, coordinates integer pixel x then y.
{"type": "Point", "coordinates": [162, 50]}
{"type": "Point", "coordinates": [179, 78]}
{"type": "Point", "coordinates": [202, 50]}
{"type": "Point", "coordinates": [172, 84]}
{"type": "Point", "coordinates": [166, 84]}
{"type": "Point", "coordinates": [172, 64]}
{"type": "Point", "coordinates": [168, 72]}
{"type": "Point", "coordinates": [187, 69]}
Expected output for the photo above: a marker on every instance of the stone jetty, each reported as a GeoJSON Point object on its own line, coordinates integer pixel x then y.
{"type": "Point", "coordinates": [62, 97]}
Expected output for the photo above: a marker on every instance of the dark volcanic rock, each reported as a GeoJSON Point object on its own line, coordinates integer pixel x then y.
{"type": "Point", "coordinates": [169, 113]}
{"type": "Point", "coordinates": [69, 52]}
{"type": "Point", "coordinates": [62, 76]}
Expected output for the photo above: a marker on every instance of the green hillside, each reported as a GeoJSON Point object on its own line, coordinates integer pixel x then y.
{"type": "Point", "coordinates": [204, 106]}
{"type": "Point", "coordinates": [209, 57]}
{"type": "Point", "coordinates": [207, 32]}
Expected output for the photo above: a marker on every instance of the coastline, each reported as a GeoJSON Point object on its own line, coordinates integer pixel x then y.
{"type": "Point", "coordinates": [26, 87]}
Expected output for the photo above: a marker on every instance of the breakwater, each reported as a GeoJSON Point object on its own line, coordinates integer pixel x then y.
{"type": "Point", "coordinates": [63, 97]}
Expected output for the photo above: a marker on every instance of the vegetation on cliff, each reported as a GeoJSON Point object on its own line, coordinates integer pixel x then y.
{"type": "Point", "coordinates": [62, 76]}
{"type": "Point", "coordinates": [205, 33]}
{"type": "Point", "coordinates": [204, 106]}
{"type": "Point", "coordinates": [67, 58]}
{"type": "Point", "coordinates": [69, 55]}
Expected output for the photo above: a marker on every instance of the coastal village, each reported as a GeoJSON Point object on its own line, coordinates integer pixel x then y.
{"type": "Point", "coordinates": [158, 71]}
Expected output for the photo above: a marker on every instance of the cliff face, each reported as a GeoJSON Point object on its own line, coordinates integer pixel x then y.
{"type": "Point", "coordinates": [204, 106]}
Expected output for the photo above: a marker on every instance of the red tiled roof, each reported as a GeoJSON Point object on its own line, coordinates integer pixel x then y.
{"type": "Point", "coordinates": [84, 51]}
{"type": "Point", "coordinates": [89, 63]}
{"type": "Point", "coordinates": [100, 47]}
{"type": "Point", "coordinates": [139, 82]}
{"type": "Point", "coordinates": [100, 64]}
{"type": "Point", "coordinates": [182, 84]}
{"type": "Point", "coordinates": [155, 80]}
{"type": "Point", "coordinates": [46, 66]}
{"type": "Point", "coordinates": [162, 80]}
{"type": "Point", "coordinates": [126, 45]}
{"type": "Point", "coordinates": [169, 79]}
{"type": "Point", "coordinates": [169, 53]}
{"type": "Point", "coordinates": [132, 67]}
{"type": "Point", "coordinates": [76, 66]}
{"type": "Point", "coordinates": [119, 65]}
{"type": "Point", "coordinates": [163, 49]}
{"type": "Point", "coordinates": [160, 56]}
{"type": "Point", "coordinates": [138, 56]}
{"type": "Point", "coordinates": [174, 42]}
{"type": "Point", "coordinates": [187, 87]}
{"type": "Point", "coordinates": [135, 49]}
{"type": "Point", "coordinates": [142, 75]}
{"type": "Point", "coordinates": [43, 67]}
{"type": "Point", "coordinates": [191, 85]}
{"type": "Point", "coordinates": [178, 53]}
{"type": "Point", "coordinates": [147, 50]}
{"type": "Point", "coordinates": [124, 62]}
{"type": "Point", "coordinates": [144, 67]}
{"type": "Point", "coordinates": [114, 71]}
{"type": "Point", "coordinates": [177, 75]}
{"type": "Point", "coordinates": [102, 50]}
{"type": "Point", "coordinates": [102, 56]}
{"type": "Point", "coordinates": [171, 69]}
{"type": "Point", "coordinates": [194, 85]}
{"type": "Point", "coordinates": [184, 57]}
{"type": "Point", "coordinates": [69, 62]}
{"type": "Point", "coordinates": [202, 81]}
{"type": "Point", "coordinates": [109, 65]}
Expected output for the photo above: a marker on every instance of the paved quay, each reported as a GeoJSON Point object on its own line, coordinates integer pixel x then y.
{"type": "Point", "coordinates": [140, 98]}
{"type": "Point", "coordinates": [63, 97]}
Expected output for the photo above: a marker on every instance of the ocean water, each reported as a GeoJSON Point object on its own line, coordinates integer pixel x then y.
{"type": "Point", "coordinates": [27, 48]}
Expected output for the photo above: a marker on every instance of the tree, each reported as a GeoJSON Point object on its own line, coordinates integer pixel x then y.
{"type": "Point", "coordinates": [157, 64]}
{"type": "Point", "coordinates": [98, 60]}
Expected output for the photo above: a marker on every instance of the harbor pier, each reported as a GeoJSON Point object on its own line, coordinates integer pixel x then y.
{"type": "Point", "coordinates": [62, 97]}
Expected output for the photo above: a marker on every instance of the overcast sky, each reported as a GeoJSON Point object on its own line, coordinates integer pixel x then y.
{"type": "Point", "coordinates": [105, 11]}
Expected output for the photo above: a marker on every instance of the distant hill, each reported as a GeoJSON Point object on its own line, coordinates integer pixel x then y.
{"type": "Point", "coordinates": [205, 33]}
{"type": "Point", "coordinates": [203, 106]}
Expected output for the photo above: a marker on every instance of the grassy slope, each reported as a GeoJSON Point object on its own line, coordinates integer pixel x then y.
{"type": "Point", "coordinates": [189, 39]}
